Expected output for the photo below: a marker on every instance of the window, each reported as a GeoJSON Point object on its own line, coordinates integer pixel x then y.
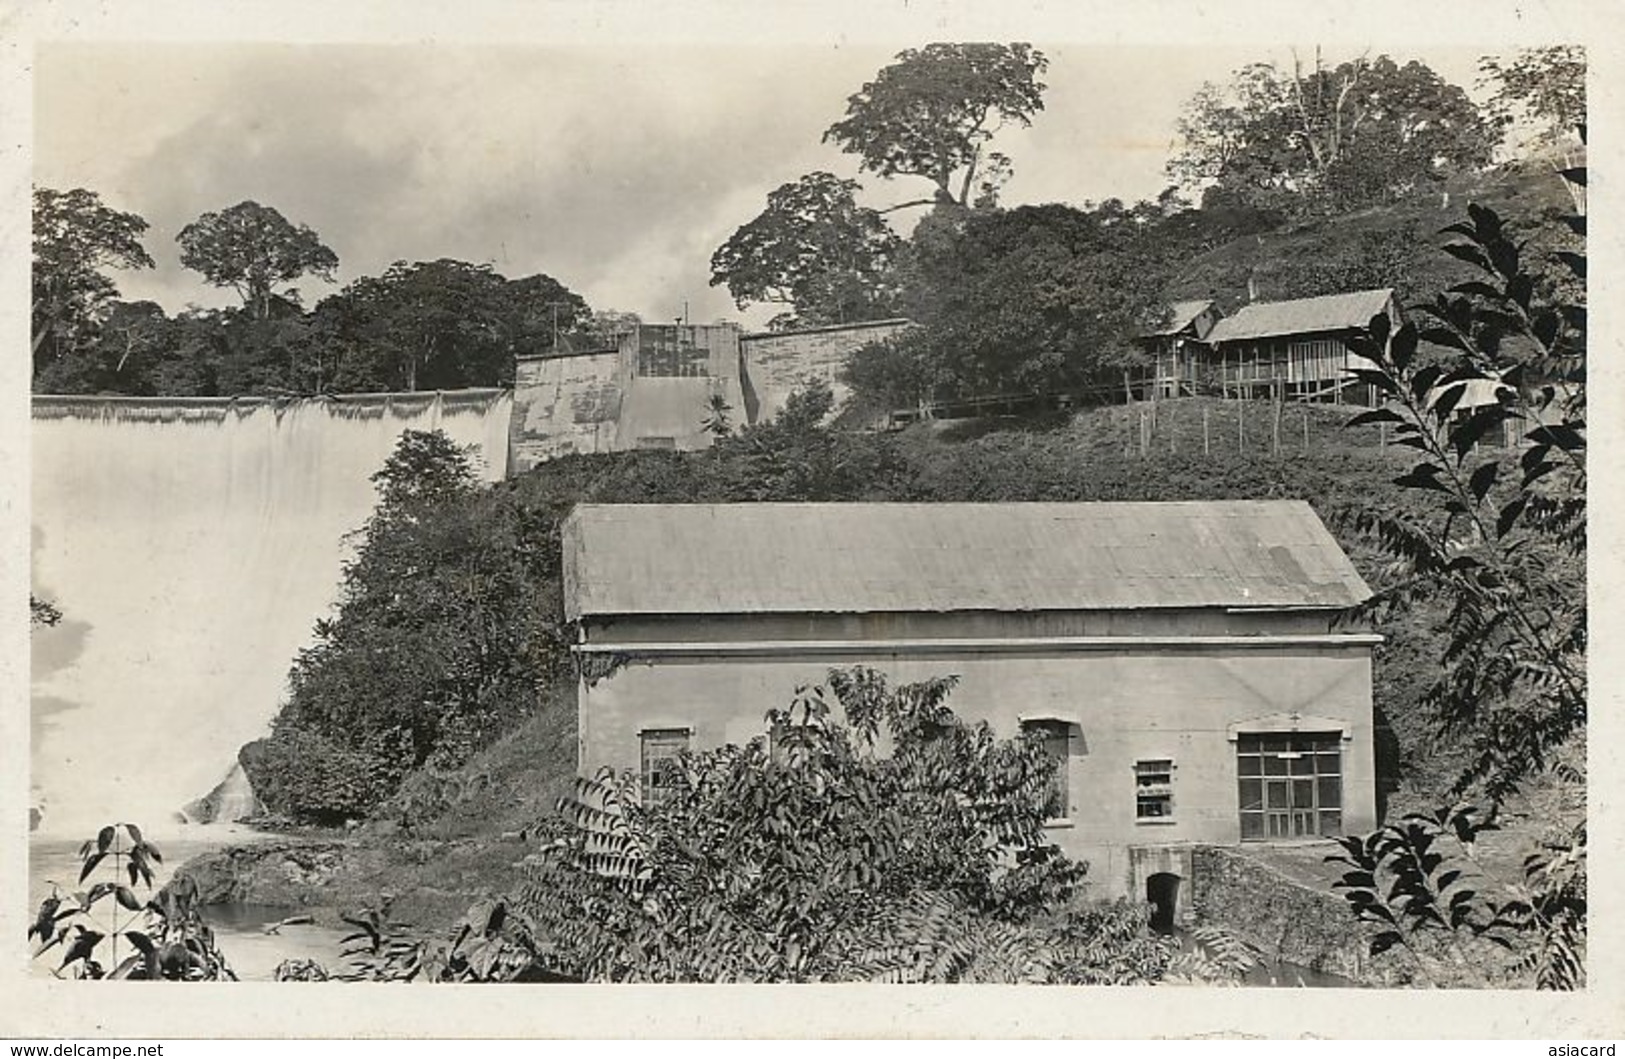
{"type": "Point", "coordinates": [1055, 736]}
{"type": "Point", "coordinates": [1154, 789]}
{"type": "Point", "coordinates": [656, 441]}
{"type": "Point", "coordinates": [660, 747]}
{"type": "Point", "coordinates": [1290, 784]}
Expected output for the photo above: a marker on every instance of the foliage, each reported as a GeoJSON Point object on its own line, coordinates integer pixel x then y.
{"type": "Point", "coordinates": [1399, 880]}
{"type": "Point", "coordinates": [1329, 138]}
{"type": "Point", "coordinates": [806, 855]}
{"type": "Point", "coordinates": [1034, 299]}
{"type": "Point", "coordinates": [441, 324]}
{"type": "Point", "coordinates": [1504, 547]}
{"type": "Point", "coordinates": [718, 421]}
{"type": "Point", "coordinates": [76, 239]}
{"type": "Point", "coordinates": [815, 250]}
{"type": "Point", "coordinates": [164, 938]}
{"type": "Point", "coordinates": [934, 111]}
{"type": "Point", "coordinates": [489, 944]}
{"type": "Point", "coordinates": [439, 645]}
{"type": "Point", "coordinates": [1541, 94]}
{"type": "Point", "coordinates": [253, 249]}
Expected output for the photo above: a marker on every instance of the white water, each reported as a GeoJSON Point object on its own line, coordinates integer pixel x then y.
{"type": "Point", "coordinates": [190, 546]}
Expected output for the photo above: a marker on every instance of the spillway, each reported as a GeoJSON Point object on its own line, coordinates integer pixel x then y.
{"type": "Point", "coordinates": [191, 545]}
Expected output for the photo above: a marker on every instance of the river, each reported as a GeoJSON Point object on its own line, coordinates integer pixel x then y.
{"type": "Point", "coordinates": [239, 929]}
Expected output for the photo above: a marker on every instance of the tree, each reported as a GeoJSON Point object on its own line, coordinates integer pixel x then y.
{"type": "Point", "coordinates": [1327, 138]}
{"type": "Point", "coordinates": [76, 238]}
{"type": "Point", "coordinates": [1503, 547]}
{"type": "Point", "coordinates": [815, 250]}
{"type": "Point", "coordinates": [718, 420]}
{"type": "Point", "coordinates": [441, 324]}
{"type": "Point", "coordinates": [934, 111]}
{"type": "Point", "coordinates": [1034, 299]}
{"type": "Point", "coordinates": [1541, 93]}
{"type": "Point", "coordinates": [603, 329]}
{"type": "Point", "coordinates": [253, 249]}
{"type": "Point", "coordinates": [438, 645]}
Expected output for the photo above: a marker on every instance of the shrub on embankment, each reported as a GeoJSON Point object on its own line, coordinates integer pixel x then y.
{"type": "Point", "coordinates": [447, 627]}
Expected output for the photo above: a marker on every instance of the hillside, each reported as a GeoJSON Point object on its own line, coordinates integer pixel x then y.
{"type": "Point", "coordinates": [1393, 245]}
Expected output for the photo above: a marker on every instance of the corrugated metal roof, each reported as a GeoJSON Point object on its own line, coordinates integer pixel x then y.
{"type": "Point", "coordinates": [856, 558]}
{"type": "Point", "coordinates": [1329, 312]}
{"type": "Point", "coordinates": [1181, 314]}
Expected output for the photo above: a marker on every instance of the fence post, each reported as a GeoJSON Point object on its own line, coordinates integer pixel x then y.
{"type": "Point", "coordinates": [1275, 420]}
{"type": "Point", "coordinates": [1241, 426]}
{"type": "Point", "coordinates": [1306, 431]}
{"type": "Point", "coordinates": [1204, 431]}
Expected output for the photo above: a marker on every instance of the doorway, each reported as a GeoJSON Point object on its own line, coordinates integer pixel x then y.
{"type": "Point", "coordinates": [1162, 893]}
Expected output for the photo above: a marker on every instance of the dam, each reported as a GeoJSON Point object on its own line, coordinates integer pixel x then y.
{"type": "Point", "coordinates": [191, 544]}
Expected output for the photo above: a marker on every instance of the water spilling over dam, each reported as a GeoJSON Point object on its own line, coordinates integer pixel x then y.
{"type": "Point", "coordinates": [191, 544]}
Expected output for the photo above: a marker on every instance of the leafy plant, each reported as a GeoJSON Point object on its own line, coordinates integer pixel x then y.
{"type": "Point", "coordinates": [1503, 546]}
{"type": "Point", "coordinates": [491, 943]}
{"type": "Point", "coordinates": [808, 855]}
{"type": "Point", "coordinates": [106, 931]}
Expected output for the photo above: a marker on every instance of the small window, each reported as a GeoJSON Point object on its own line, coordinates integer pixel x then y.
{"type": "Point", "coordinates": [1154, 789]}
{"type": "Point", "coordinates": [1056, 738]}
{"type": "Point", "coordinates": [661, 747]}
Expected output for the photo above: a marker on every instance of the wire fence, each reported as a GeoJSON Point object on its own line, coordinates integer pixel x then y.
{"type": "Point", "coordinates": [1208, 426]}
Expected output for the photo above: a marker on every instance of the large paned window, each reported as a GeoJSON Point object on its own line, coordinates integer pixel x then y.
{"type": "Point", "coordinates": [1290, 784]}
{"type": "Point", "coordinates": [660, 747]}
{"type": "Point", "coordinates": [1055, 735]}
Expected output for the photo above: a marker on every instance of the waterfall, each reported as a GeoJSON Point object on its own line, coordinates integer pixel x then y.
{"type": "Point", "coordinates": [231, 800]}
{"type": "Point", "coordinates": [191, 544]}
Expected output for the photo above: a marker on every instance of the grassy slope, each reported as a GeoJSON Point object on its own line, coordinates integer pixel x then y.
{"type": "Point", "coordinates": [1275, 259]}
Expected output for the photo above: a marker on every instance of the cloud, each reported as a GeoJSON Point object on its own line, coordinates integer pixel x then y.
{"type": "Point", "coordinates": [615, 170]}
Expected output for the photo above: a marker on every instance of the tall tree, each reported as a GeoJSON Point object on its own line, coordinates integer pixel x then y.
{"type": "Point", "coordinates": [934, 111]}
{"type": "Point", "coordinates": [253, 249]}
{"type": "Point", "coordinates": [1329, 137]}
{"type": "Point", "coordinates": [76, 238]}
{"type": "Point", "coordinates": [1540, 96]}
{"type": "Point", "coordinates": [815, 250]}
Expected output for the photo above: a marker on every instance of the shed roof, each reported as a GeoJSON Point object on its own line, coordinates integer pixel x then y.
{"type": "Point", "coordinates": [857, 558]}
{"type": "Point", "coordinates": [1329, 312]}
{"type": "Point", "coordinates": [1180, 316]}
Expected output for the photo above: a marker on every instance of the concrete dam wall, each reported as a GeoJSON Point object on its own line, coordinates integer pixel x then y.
{"type": "Point", "coordinates": [191, 544]}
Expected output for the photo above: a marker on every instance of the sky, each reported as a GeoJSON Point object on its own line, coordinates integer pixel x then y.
{"type": "Point", "coordinates": [615, 170]}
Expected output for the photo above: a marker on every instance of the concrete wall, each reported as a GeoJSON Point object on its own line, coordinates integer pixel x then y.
{"type": "Point", "coordinates": [779, 363]}
{"type": "Point", "coordinates": [1179, 702]}
{"type": "Point", "coordinates": [564, 405]}
{"type": "Point", "coordinates": [597, 401]}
